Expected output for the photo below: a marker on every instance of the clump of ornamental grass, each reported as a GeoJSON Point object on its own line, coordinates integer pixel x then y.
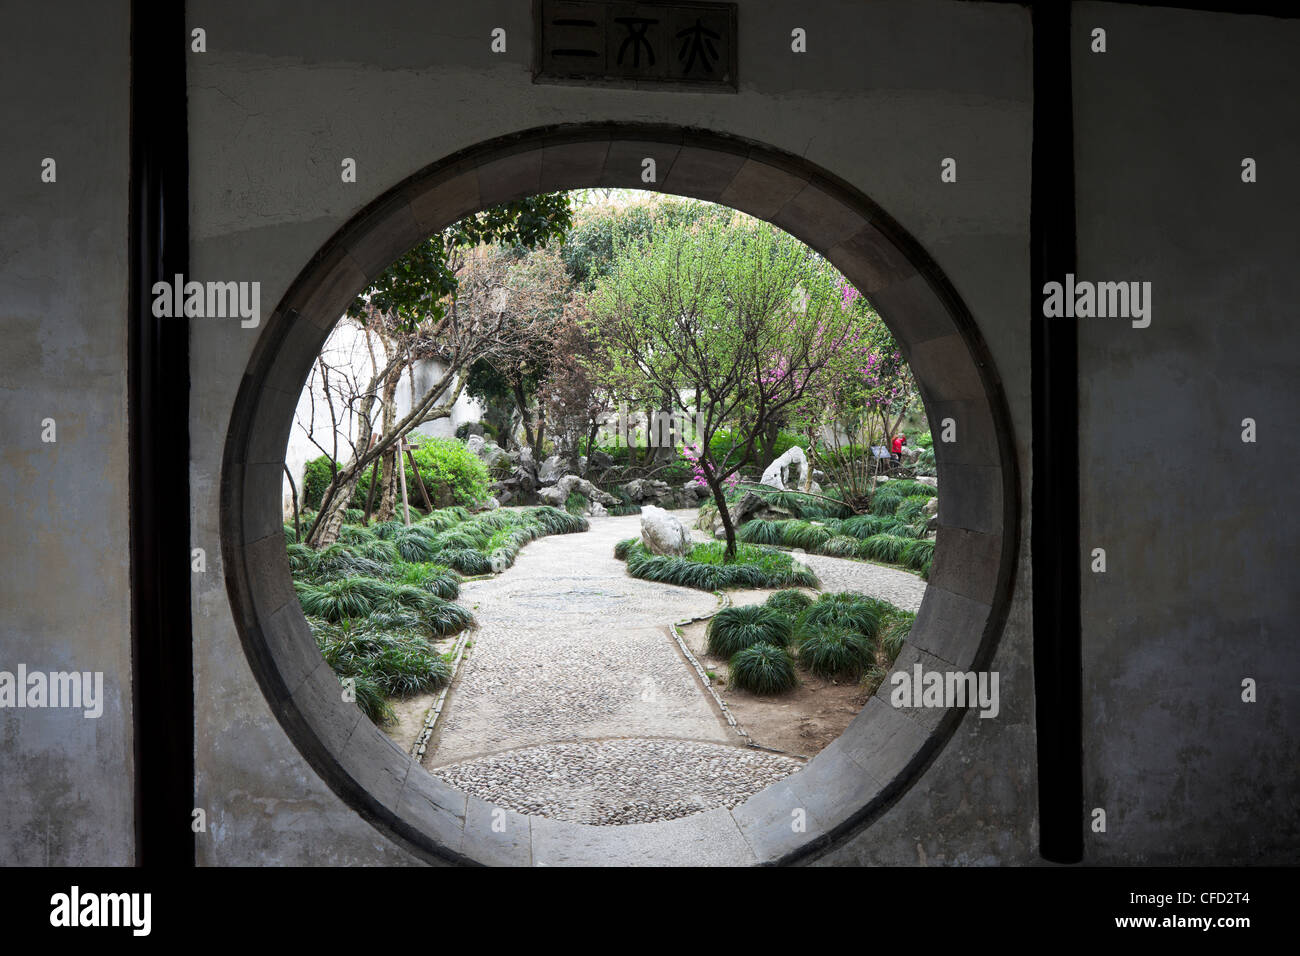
{"type": "Point", "coordinates": [763, 669]}
{"type": "Point", "coordinates": [789, 601]}
{"type": "Point", "coordinates": [734, 628]}
{"type": "Point", "coordinates": [835, 651]}
{"type": "Point", "coordinates": [760, 531]}
{"type": "Point", "coordinates": [846, 611]}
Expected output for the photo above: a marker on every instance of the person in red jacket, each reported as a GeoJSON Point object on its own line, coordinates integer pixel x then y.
{"type": "Point", "coordinates": [896, 449]}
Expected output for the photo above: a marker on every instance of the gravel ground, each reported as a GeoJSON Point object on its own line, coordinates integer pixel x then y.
{"type": "Point", "coordinates": [899, 588]}
{"type": "Point", "coordinates": [612, 782]}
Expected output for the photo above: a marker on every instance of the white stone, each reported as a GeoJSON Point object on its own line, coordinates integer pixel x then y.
{"type": "Point", "coordinates": [662, 533]}
{"type": "Point", "coordinates": [788, 471]}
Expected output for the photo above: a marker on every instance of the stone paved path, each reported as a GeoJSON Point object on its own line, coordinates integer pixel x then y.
{"type": "Point", "coordinates": [611, 782]}
{"type": "Point", "coordinates": [575, 703]}
{"type": "Point", "coordinates": [569, 647]}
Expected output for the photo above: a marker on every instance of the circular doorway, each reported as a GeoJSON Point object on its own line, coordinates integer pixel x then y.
{"type": "Point", "coordinates": [883, 751]}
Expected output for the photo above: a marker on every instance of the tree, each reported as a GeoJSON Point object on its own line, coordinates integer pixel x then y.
{"type": "Point", "coordinates": [868, 390]}
{"type": "Point", "coordinates": [740, 313]}
{"type": "Point", "coordinates": [413, 309]}
{"type": "Point", "coordinates": [421, 285]}
{"type": "Point", "coordinates": [528, 289]}
{"type": "Point", "coordinates": [576, 394]}
{"type": "Point", "coordinates": [590, 250]}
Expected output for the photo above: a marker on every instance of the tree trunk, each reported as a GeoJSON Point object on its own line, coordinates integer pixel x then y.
{"type": "Point", "coordinates": [771, 432]}
{"type": "Point", "coordinates": [297, 525]}
{"type": "Point", "coordinates": [521, 404]}
{"type": "Point", "coordinates": [388, 499]}
{"type": "Point", "coordinates": [721, 500]}
{"type": "Point", "coordinates": [330, 522]}
{"type": "Point", "coordinates": [387, 489]}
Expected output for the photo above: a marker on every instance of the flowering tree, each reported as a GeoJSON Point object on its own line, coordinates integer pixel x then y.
{"type": "Point", "coordinates": [733, 323]}
{"type": "Point", "coordinates": [869, 389]}
{"type": "Point", "coordinates": [575, 396]}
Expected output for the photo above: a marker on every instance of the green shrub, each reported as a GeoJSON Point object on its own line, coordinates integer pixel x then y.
{"type": "Point", "coordinates": [735, 628]}
{"type": "Point", "coordinates": [789, 601]}
{"type": "Point", "coordinates": [917, 554]}
{"type": "Point", "coordinates": [370, 698]}
{"type": "Point", "coordinates": [845, 611]}
{"type": "Point", "coordinates": [556, 521]}
{"type": "Point", "coordinates": [705, 568]}
{"type": "Point", "coordinates": [895, 630]}
{"type": "Point", "coordinates": [398, 664]}
{"type": "Point", "coordinates": [759, 531]}
{"type": "Point", "coordinates": [908, 488]}
{"type": "Point", "coordinates": [841, 546]}
{"type": "Point", "coordinates": [452, 474]}
{"type": "Point", "coordinates": [887, 499]}
{"type": "Point", "coordinates": [465, 560]}
{"type": "Point", "coordinates": [834, 651]}
{"type": "Point", "coordinates": [443, 518]}
{"type": "Point", "coordinates": [763, 669]}
{"type": "Point", "coordinates": [865, 526]}
{"type": "Point", "coordinates": [343, 598]}
{"type": "Point", "coordinates": [911, 508]}
{"type": "Point", "coordinates": [803, 534]}
{"type": "Point", "coordinates": [884, 547]}
{"type": "Point", "coordinates": [417, 543]}
{"type": "Point", "coordinates": [301, 558]}
{"type": "Point", "coordinates": [925, 463]}
{"type": "Point", "coordinates": [725, 448]}
{"type": "Point", "coordinates": [342, 561]}
{"type": "Point", "coordinates": [800, 505]}
{"type": "Point", "coordinates": [316, 476]}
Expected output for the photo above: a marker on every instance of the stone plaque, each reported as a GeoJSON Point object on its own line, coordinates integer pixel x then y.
{"type": "Point", "coordinates": [608, 42]}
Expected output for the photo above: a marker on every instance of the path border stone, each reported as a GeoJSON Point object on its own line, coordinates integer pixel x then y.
{"type": "Point", "coordinates": [724, 601]}
{"type": "Point", "coordinates": [434, 712]}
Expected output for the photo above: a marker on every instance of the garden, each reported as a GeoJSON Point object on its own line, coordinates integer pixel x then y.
{"type": "Point", "coordinates": [641, 398]}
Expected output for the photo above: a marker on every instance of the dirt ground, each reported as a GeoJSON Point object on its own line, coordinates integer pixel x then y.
{"type": "Point", "coordinates": [410, 711]}
{"type": "Point", "coordinates": [799, 723]}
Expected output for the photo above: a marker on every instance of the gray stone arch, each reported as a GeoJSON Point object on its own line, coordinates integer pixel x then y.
{"type": "Point", "coordinates": [883, 752]}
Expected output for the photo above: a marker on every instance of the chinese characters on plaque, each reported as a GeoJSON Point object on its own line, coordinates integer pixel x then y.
{"type": "Point", "coordinates": [637, 44]}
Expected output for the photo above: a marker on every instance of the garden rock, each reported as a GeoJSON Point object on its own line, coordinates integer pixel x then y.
{"type": "Point", "coordinates": [697, 488]}
{"type": "Point", "coordinates": [662, 533]}
{"type": "Point", "coordinates": [552, 470]}
{"type": "Point", "coordinates": [558, 493]}
{"type": "Point", "coordinates": [486, 449]}
{"type": "Point", "coordinates": [641, 490]}
{"type": "Point", "coordinates": [788, 471]}
{"type": "Point", "coordinates": [749, 507]}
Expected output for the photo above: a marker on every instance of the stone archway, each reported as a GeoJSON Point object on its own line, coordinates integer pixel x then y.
{"type": "Point", "coordinates": [883, 751]}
